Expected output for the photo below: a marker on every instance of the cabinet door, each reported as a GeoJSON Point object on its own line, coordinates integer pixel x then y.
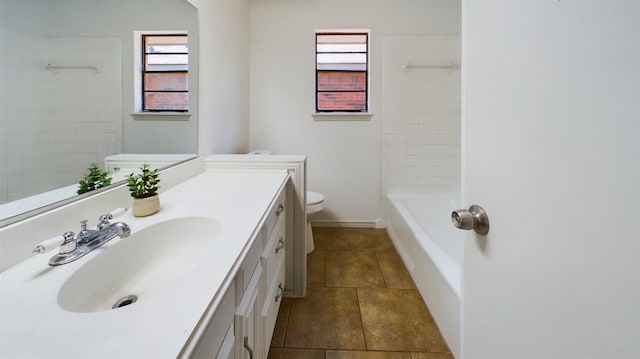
{"type": "Point", "coordinates": [248, 321]}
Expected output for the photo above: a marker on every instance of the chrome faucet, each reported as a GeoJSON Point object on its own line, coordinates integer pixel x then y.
{"type": "Point", "coordinates": [104, 231]}
{"type": "Point", "coordinates": [74, 247]}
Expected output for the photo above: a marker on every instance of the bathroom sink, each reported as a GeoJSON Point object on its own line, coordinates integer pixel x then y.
{"type": "Point", "coordinates": [138, 267]}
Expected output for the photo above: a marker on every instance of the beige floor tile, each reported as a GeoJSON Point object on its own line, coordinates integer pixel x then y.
{"type": "Point", "coordinates": [316, 276]}
{"type": "Point", "coordinates": [327, 318]}
{"type": "Point", "coordinates": [353, 269]}
{"type": "Point", "coordinates": [282, 353]}
{"type": "Point", "coordinates": [394, 271]}
{"type": "Point", "coordinates": [385, 309]}
{"type": "Point", "coordinates": [345, 354]}
{"type": "Point", "coordinates": [398, 320]}
{"type": "Point", "coordinates": [368, 239]}
{"type": "Point", "coordinates": [328, 238]}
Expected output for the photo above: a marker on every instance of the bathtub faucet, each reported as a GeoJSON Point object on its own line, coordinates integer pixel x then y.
{"type": "Point", "coordinates": [75, 247]}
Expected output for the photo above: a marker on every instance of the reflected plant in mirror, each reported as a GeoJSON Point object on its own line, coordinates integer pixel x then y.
{"type": "Point", "coordinates": [96, 178]}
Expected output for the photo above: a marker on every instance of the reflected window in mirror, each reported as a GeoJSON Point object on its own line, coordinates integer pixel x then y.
{"type": "Point", "coordinates": [165, 72]}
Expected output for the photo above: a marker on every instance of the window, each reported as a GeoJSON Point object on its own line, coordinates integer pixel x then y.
{"type": "Point", "coordinates": [341, 71]}
{"type": "Point", "coordinates": [165, 72]}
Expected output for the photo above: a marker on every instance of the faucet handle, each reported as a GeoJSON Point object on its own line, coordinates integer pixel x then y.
{"type": "Point", "coordinates": [118, 212]}
{"type": "Point", "coordinates": [105, 218]}
{"type": "Point", "coordinates": [83, 225]}
{"type": "Point", "coordinates": [51, 243]}
{"type": "Point", "coordinates": [68, 236]}
{"type": "Point", "coordinates": [70, 244]}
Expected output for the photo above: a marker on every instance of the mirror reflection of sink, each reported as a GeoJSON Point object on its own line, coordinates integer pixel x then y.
{"type": "Point", "coordinates": [146, 263]}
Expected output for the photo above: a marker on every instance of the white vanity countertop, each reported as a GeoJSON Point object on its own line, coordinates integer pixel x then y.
{"type": "Point", "coordinates": [32, 324]}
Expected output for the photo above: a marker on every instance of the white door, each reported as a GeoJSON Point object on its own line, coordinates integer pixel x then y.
{"type": "Point", "coordinates": [551, 133]}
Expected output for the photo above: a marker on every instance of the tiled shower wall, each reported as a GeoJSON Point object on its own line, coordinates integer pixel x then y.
{"type": "Point", "coordinates": [54, 123]}
{"type": "Point", "coordinates": [421, 108]}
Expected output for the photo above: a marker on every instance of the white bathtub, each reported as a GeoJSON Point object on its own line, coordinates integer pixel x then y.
{"type": "Point", "coordinates": [432, 249]}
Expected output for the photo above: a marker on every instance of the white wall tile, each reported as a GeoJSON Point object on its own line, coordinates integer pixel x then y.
{"type": "Point", "coordinates": [421, 113]}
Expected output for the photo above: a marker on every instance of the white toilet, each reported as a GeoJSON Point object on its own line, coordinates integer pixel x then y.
{"type": "Point", "coordinates": [315, 204]}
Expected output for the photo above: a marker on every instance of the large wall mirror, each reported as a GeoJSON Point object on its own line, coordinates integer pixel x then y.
{"type": "Point", "coordinates": [68, 90]}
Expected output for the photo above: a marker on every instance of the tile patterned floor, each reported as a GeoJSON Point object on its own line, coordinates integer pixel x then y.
{"type": "Point", "coordinates": [361, 303]}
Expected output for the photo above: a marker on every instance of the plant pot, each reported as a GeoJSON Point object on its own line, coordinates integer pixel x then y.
{"type": "Point", "coordinates": [143, 207]}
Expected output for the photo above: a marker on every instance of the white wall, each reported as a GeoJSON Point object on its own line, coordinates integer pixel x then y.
{"type": "Point", "coordinates": [29, 15]}
{"type": "Point", "coordinates": [344, 157]}
{"type": "Point", "coordinates": [223, 76]}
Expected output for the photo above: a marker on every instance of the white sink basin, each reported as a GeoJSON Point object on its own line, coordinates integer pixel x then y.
{"type": "Point", "coordinates": [142, 265]}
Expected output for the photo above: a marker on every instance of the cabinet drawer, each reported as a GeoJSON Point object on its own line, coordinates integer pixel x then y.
{"type": "Point", "coordinates": [274, 251]}
{"type": "Point", "coordinates": [272, 302]}
{"type": "Point", "coordinates": [277, 212]}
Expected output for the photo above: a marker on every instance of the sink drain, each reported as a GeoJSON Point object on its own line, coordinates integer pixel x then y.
{"type": "Point", "coordinates": [124, 301]}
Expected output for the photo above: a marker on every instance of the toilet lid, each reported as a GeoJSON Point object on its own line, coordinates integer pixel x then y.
{"type": "Point", "coordinates": [314, 198]}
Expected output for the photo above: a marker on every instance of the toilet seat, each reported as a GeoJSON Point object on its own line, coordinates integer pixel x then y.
{"type": "Point", "coordinates": [314, 198]}
{"type": "Point", "coordinates": [315, 202]}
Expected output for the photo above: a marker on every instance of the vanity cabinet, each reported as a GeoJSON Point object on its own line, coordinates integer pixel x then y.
{"type": "Point", "coordinates": [243, 323]}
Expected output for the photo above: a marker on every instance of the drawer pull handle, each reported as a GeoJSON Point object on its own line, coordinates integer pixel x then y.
{"type": "Point", "coordinates": [280, 245]}
{"type": "Point", "coordinates": [248, 347]}
{"type": "Point", "coordinates": [281, 291]}
{"type": "Point", "coordinates": [280, 209]}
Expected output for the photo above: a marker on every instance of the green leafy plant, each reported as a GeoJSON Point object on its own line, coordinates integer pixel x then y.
{"type": "Point", "coordinates": [96, 178]}
{"type": "Point", "coordinates": [145, 183]}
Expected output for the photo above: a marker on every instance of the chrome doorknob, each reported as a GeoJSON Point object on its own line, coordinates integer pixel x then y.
{"type": "Point", "coordinates": [473, 218]}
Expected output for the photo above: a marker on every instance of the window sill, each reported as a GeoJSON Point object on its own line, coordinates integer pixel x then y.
{"type": "Point", "coordinates": [161, 116]}
{"type": "Point", "coordinates": [342, 116]}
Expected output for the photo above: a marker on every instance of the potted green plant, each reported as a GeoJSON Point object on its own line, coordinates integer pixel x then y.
{"type": "Point", "coordinates": [144, 190]}
{"type": "Point", "coordinates": [96, 178]}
